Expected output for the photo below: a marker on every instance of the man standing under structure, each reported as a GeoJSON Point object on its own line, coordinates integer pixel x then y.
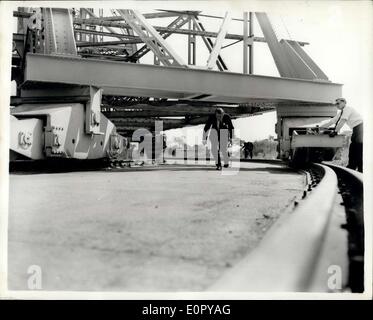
{"type": "Point", "coordinates": [353, 119]}
{"type": "Point", "coordinates": [221, 134]}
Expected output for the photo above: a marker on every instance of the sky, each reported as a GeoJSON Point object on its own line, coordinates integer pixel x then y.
{"type": "Point", "coordinates": [339, 32]}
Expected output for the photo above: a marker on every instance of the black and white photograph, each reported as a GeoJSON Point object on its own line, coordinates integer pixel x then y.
{"type": "Point", "coordinates": [186, 150]}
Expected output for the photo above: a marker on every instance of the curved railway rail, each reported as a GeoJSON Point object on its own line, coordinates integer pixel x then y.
{"type": "Point", "coordinates": [297, 254]}
{"type": "Point", "coordinates": [351, 188]}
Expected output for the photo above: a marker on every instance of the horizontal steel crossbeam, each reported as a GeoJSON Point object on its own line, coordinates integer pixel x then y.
{"type": "Point", "coordinates": [115, 24]}
{"type": "Point", "coordinates": [128, 79]}
{"type": "Point", "coordinates": [146, 110]}
{"type": "Point", "coordinates": [125, 125]}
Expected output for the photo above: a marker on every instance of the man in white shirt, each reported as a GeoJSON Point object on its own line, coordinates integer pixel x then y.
{"type": "Point", "coordinates": [353, 119]}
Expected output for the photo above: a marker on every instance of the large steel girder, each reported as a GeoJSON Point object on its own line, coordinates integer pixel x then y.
{"type": "Point", "coordinates": [120, 78]}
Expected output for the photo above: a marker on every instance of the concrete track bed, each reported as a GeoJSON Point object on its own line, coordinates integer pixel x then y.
{"type": "Point", "coordinates": [175, 229]}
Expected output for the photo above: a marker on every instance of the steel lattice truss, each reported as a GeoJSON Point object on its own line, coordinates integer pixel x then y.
{"type": "Point", "coordinates": [127, 36]}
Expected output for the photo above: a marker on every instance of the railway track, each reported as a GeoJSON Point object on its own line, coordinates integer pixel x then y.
{"type": "Point", "coordinates": [295, 255]}
{"type": "Point", "coordinates": [351, 188]}
{"type": "Point", "coordinates": [322, 239]}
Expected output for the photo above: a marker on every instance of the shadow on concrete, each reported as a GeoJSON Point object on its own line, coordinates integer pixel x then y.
{"type": "Point", "coordinates": [74, 165]}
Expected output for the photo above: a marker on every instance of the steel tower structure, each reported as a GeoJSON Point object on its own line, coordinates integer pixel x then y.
{"type": "Point", "coordinates": [82, 90]}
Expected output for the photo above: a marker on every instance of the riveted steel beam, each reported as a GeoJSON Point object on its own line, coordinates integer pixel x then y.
{"type": "Point", "coordinates": [58, 32]}
{"type": "Point", "coordinates": [128, 79]}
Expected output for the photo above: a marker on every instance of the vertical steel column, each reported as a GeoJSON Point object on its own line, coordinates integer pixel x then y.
{"type": "Point", "coordinates": [58, 32]}
{"type": "Point", "coordinates": [251, 48]}
{"type": "Point", "coordinates": [50, 45]}
{"type": "Point", "coordinates": [101, 14]}
{"type": "Point", "coordinates": [245, 42]}
{"type": "Point", "coordinates": [80, 35]}
{"type": "Point", "coordinates": [191, 43]}
{"type": "Point", "coordinates": [21, 22]}
{"type": "Point", "coordinates": [93, 37]}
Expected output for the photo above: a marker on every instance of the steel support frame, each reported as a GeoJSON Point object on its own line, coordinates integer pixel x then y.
{"type": "Point", "coordinates": [58, 32]}
{"type": "Point", "coordinates": [130, 48]}
{"type": "Point", "coordinates": [219, 41]}
{"type": "Point", "coordinates": [245, 42]}
{"type": "Point", "coordinates": [178, 31]}
{"type": "Point", "coordinates": [251, 48]}
{"type": "Point", "coordinates": [281, 61]}
{"type": "Point", "coordinates": [177, 23]}
{"type": "Point", "coordinates": [163, 52]}
{"type": "Point", "coordinates": [128, 79]}
{"type": "Point", "coordinates": [111, 30]}
{"type": "Point", "coordinates": [290, 59]}
{"type": "Point", "coordinates": [111, 22]}
{"type": "Point", "coordinates": [82, 15]}
{"type": "Point", "coordinates": [208, 43]}
{"type": "Point", "coordinates": [192, 43]}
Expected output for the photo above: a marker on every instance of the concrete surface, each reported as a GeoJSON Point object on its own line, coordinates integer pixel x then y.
{"type": "Point", "coordinates": [174, 229]}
